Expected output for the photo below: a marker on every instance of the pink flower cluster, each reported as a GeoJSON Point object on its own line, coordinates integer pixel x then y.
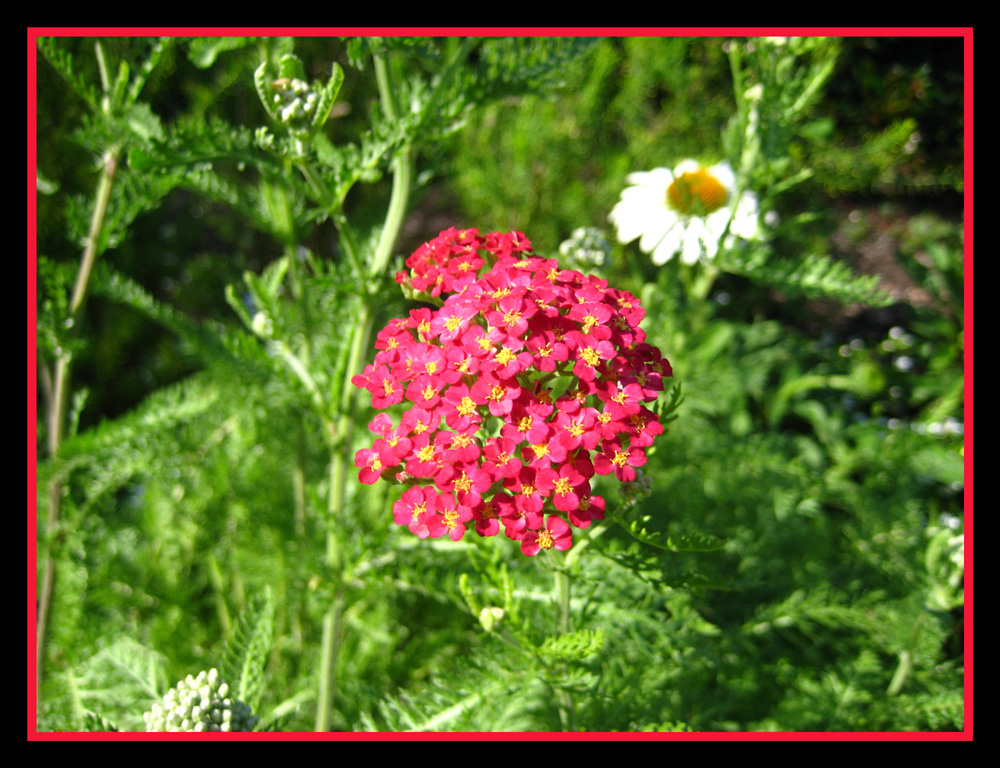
{"type": "Point", "coordinates": [528, 381]}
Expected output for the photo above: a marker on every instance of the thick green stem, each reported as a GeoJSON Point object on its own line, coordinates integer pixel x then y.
{"type": "Point", "coordinates": [567, 710]}
{"type": "Point", "coordinates": [60, 394]}
{"type": "Point", "coordinates": [340, 458]}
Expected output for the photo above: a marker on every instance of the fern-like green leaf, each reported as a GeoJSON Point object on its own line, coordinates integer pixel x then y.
{"type": "Point", "coordinates": [695, 542]}
{"type": "Point", "coordinates": [812, 276]}
{"type": "Point", "coordinates": [57, 54]}
{"type": "Point", "coordinates": [573, 646]}
{"type": "Point", "coordinates": [247, 650]}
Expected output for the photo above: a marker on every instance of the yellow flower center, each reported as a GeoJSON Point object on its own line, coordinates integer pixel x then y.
{"type": "Point", "coordinates": [505, 356]}
{"type": "Point", "coordinates": [541, 450]}
{"type": "Point", "coordinates": [511, 318]}
{"type": "Point", "coordinates": [696, 193]}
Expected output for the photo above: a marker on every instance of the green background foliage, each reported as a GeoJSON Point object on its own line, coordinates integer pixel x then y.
{"type": "Point", "coordinates": [797, 564]}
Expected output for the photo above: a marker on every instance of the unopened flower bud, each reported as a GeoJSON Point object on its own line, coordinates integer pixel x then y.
{"type": "Point", "coordinates": [491, 617]}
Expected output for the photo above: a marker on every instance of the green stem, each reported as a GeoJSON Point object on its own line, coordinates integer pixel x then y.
{"type": "Point", "coordinates": [60, 395]}
{"type": "Point", "coordinates": [563, 589]}
{"type": "Point", "coordinates": [340, 454]}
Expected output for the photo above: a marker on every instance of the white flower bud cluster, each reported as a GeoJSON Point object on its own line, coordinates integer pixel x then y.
{"type": "Point", "coordinates": [295, 103]}
{"type": "Point", "coordinates": [200, 703]}
{"type": "Point", "coordinates": [586, 247]}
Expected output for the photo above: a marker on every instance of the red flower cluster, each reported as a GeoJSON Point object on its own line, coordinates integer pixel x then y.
{"type": "Point", "coordinates": [527, 382]}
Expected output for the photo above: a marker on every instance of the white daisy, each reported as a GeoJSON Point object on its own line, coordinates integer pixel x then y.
{"type": "Point", "coordinates": [683, 211]}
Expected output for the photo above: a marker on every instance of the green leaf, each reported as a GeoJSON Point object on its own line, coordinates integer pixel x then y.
{"type": "Point", "coordinates": [55, 51]}
{"type": "Point", "coordinates": [695, 542]}
{"type": "Point", "coordinates": [203, 51]}
{"type": "Point", "coordinates": [574, 646]}
{"type": "Point", "coordinates": [813, 276]}
{"type": "Point", "coordinates": [327, 96]}
{"type": "Point", "coordinates": [247, 650]}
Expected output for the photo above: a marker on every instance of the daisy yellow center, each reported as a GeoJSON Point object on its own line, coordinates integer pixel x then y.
{"type": "Point", "coordinates": [545, 540]}
{"type": "Point", "coordinates": [466, 407]}
{"type": "Point", "coordinates": [696, 193]}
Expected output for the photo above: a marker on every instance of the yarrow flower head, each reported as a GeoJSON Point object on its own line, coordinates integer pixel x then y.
{"type": "Point", "coordinates": [684, 211]}
{"type": "Point", "coordinates": [528, 380]}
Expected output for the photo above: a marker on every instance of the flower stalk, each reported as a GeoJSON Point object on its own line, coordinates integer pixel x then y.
{"type": "Point", "coordinates": [343, 427]}
{"type": "Point", "coordinates": [56, 416]}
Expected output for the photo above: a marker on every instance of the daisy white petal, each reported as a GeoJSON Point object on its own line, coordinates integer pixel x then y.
{"type": "Point", "coordinates": [683, 211]}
